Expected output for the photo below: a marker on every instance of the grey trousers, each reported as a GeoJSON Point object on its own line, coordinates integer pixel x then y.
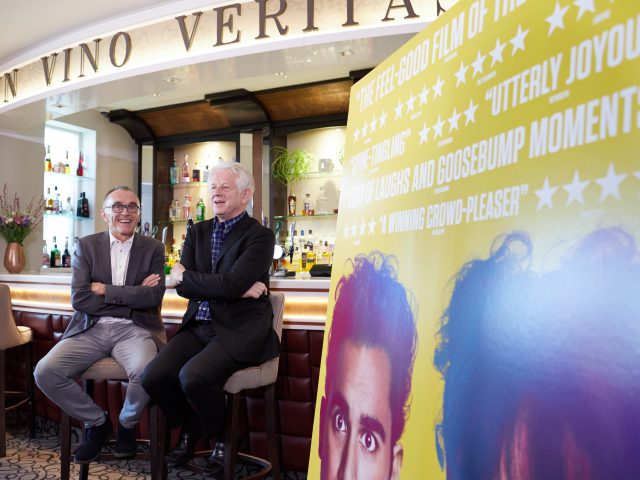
{"type": "Point", "coordinates": [131, 346]}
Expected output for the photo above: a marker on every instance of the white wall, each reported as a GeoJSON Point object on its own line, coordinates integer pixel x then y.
{"type": "Point", "coordinates": [22, 169]}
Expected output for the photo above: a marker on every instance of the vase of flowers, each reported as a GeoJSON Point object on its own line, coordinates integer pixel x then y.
{"type": "Point", "coordinates": [16, 223]}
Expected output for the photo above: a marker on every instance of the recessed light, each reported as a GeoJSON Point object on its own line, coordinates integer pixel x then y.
{"type": "Point", "coordinates": [347, 52]}
{"type": "Point", "coordinates": [157, 94]}
{"type": "Point", "coordinates": [172, 80]}
{"type": "Point", "coordinates": [280, 74]}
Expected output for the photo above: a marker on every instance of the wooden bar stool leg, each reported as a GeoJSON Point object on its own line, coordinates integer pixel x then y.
{"type": "Point", "coordinates": [65, 446]}
{"type": "Point", "coordinates": [31, 415]}
{"type": "Point", "coordinates": [272, 439]}
{"type": "Point", "coordinates": [3, 425]}
{"type": "Point", "coordinates": [231, 441]}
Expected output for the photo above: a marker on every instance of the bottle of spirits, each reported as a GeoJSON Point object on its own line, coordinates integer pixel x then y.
{"type": "Point", "coordinates": [68, 209]}
{"type": "Point", "coordinates": [205, 174]}
{"type": "Point", "coordinates": [74, 252]}
{"type": "Point", "coordinates": [185, 169]}
{"type": "Point", "coordinates": [80, 169]}
{"type": "Point", "coordinates": [49, 206]}
{"type": "Point", "coordinates": [46, 259]}
{"type": "Point", "coordinates": [173, 172]}
{"type": "Point", "coordinates": [186, 207]}
{"type": "Point", "coordinates": [292, 204]}
{"type": "Point", "coordinates": [48, 167]}
{"type": "Point", "coordinates": [67, 169]}
{"type": "Point", "coordinates": [85, 205]}
{"type": "Point", "coordinates": [66, 256]}
{"type": "Point", "coordinates": [54, 258]}
{"type": "Point", "coordinates": [200, 210]}
{"type": "Point", "coordinates": [306, 210]}
{"type": "Point", "coordinates": [196, 172]}
{"type": "Point", "coordinates": [79, 205]}
{"type": "Point", "coordinates": [57, 204]}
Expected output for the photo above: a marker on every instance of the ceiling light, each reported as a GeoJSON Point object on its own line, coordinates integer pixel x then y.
{"type": "Point", "coordinates": [347, 52]}
{"type": "Point", "coordinates": [172, 80]}
{"type": "Point", "coordinates": [280, 74]}
{"type": "Point", "coordinates": [157, 94]}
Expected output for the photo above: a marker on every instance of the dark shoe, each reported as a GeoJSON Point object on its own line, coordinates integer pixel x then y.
{"type": "Point", "coordinates": [94, 439]}
{"type": "Point", "coordinates": [215, 461]}
{"type": "Point", "coordinates": [183, 451]}
{"type": "Point", "coordinates": [126, 445]}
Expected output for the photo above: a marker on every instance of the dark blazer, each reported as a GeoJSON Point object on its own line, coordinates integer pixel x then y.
{"type": "Point", "coordinates": [92, 263]}
{"type": "Point", "coordinates": [243, 325]}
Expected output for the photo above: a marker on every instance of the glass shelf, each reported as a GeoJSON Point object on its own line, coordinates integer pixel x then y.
{"type": "Point", "coordinates": [68, 175]}
{"type": "Point", "coordinates": [315, 215]}
{"type": "Point", "coordinates": [180, 184]}
{"type": "Point", "coordinates": [69, 217]}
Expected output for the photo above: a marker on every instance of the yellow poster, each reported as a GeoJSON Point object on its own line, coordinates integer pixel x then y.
{"type": "Point", "coordinates": [484, 313]}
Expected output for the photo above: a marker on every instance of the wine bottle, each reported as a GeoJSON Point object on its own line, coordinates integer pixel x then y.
{"type": "Point", "coordinates": [185, 169]}
{"type": "Point", "coordinates": [66, 256]}
{"type": "Point", "coordinates": [196, 172]}
{"type": "Point", "coordinates": [80, 169]}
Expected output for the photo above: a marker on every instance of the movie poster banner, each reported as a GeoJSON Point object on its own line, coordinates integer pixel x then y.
{"type": "Point", "coordinates": [484, 312]}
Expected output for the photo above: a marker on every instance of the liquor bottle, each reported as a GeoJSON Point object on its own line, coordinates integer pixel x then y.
{"type": "Point", "coordinates": [79, 205]}
{"type": "Point", "coordinates": [205, 174]}
{"type": "Point", "coordinates": [173, 172]}
{"type": "Point", "coordinates": [47, 160]}
{"type": "Point", "coordinates": [186, 207]}
{"type": "Point", "coordinates": [307, 204]}
{"type": "Point", "coordinates": [49, 206]}
{"type": "Point", "coordinates": [57, 204]}
{"type": "Point", "coordinates": [46, 259]}
{"type": "Point", "coordinates": [85, 205]}
{"type": "Point", "coordinates": [54, 258]}
{"type": "Point", "coordinates": [292, 204]}
{"type": "Point", "coordinates": [311, 259]}
{"type": "Point", "coordinates": [196, 172]}
{"type": "Point", "coordinates": [66, 256]}
{"type": "Point", "coordinates": [67, 169]}
{"type": "Point", "coordinates": [185, 169]}
{"type": "Point", "coordinates": [80, 169]}
{"type": "Point", "coordinates": [200, 210]}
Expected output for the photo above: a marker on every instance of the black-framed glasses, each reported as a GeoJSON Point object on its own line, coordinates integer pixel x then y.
{"type": "Point", "coordinates": [119, 208]}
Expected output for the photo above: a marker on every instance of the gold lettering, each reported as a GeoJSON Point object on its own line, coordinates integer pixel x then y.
{"type": "Point", "coordinates": [67, 64]}
{"type": "Point", "coordinates": [221, 23]}
{"type": "Point", "coordinates": [262, 15]}
{"type": "Point", "coordinates": [186, 37]}
{"type": "Point", "coordinates": [48, 70]}
{"type": "Point", "coordinates": [127, 49]}
{"type": "Point", "coordinates": [350, 14]}
{"type": "Point", "coordinates": [10, 84]}
{"type": "Point", "coordinates": [93, 60]}
{"type": "Point", "coordinates": [310, 17]}
{"type": "Point", "coordinates": [406, 4]}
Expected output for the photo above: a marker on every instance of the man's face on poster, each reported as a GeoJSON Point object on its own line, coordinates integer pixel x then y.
{"type": "Point", "coordinates": [355, 417]}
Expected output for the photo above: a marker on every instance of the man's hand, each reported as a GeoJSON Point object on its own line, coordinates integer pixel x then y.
{"type": "Point", "coordinates": [151, 281]}
{"type": "Point", "coordinates": [175, 277]}
{"type": "Point", "coordinates": [98, 288]}
{"type": "Point", "coordinates": [256, 291]}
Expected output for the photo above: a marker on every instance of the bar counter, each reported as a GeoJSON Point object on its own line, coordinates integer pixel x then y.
{"type": "Point", "coordinates": [41, 301]}
{"type": "Point", "coordinates": [48, 292]}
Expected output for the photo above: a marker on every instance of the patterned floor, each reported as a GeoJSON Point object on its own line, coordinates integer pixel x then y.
{"type": "Point", "coordinates": [39, 459]}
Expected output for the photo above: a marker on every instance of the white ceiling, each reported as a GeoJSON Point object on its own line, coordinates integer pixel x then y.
{"type": "Point", "coordinates": [25, 35]}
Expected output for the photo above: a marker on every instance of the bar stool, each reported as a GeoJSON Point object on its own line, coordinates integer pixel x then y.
{"type": "Point", "coordinates": [107, 368]}
{"type": "Point", "coordinates": [262, 377]}
{"type": "Point", "coordinates": [12, 335]}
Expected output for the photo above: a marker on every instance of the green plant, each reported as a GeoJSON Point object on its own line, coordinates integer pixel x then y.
{"type": "Point", "coordinates": [290, 165]}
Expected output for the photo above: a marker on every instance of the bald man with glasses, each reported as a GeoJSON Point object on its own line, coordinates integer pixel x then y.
{"type": "Point", "coordinates": [117, 285]}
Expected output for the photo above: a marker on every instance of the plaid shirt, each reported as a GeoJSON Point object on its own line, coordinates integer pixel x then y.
{"type": "Point", "coordinates": [220, 232]}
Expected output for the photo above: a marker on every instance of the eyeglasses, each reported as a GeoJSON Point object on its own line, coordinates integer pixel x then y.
{"type": "Point", "coordinates": [119, 208]}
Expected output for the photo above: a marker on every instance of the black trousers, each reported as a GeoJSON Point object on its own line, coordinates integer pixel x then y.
{"type": "Point", "coordinates": [186, 378]}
